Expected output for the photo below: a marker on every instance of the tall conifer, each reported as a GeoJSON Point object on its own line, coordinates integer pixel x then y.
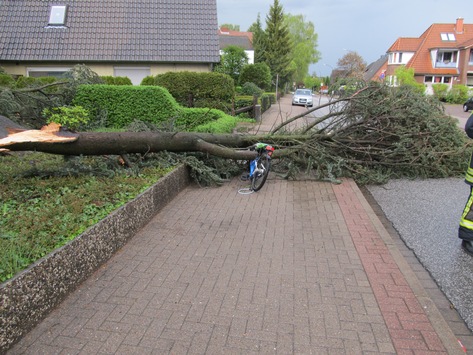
{"type": "Point", "coordinates": [277, 53]}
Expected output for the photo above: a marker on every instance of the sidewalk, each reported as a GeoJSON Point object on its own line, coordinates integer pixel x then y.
{"type": "Point", "coordinates": [297, 268]}
{"type": "Point", "coordinates": [301, 267]}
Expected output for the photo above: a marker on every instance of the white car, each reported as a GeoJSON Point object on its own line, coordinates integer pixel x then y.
{"type": "Point", "coordinates": [303, 97]}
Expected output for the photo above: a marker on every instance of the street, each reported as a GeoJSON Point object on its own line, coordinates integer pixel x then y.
{"type": "Point", "coordinates": [283, 110]}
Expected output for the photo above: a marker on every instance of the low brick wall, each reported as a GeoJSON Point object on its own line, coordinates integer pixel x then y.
{"type": "Point", "coordinates": [27, 298]}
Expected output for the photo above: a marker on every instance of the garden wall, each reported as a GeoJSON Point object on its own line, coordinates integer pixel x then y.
{"type": "Point", "coordinates": [28, 297]}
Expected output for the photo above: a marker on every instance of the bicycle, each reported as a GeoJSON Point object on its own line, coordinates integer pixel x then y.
{"type": "Point", "coordinates": [260, 166]}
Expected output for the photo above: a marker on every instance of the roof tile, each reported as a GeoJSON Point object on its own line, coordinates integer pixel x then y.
{"type": "Point", "coordinates": [429, 40]}
{"type": "Point", "coordinates": [150, 30]}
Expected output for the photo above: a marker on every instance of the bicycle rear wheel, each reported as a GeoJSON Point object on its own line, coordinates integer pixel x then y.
{"type": "Point", "coordinates": [259, 178]}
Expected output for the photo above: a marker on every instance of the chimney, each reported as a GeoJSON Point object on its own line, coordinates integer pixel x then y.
{"type": "Point", "coordinates": [459, 25]}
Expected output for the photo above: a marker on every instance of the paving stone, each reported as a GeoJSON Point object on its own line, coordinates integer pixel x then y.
{"type": "Point", "coordinates": [298, 267]}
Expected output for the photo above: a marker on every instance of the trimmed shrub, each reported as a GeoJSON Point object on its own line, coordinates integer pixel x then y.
{"type": "Point", "coordinates": [258, 73]}
{"type": "Point", "coordinates": [116, 80]}
{"type": "Point", "coordinates": [458, 94]}
{"type": "Point", "coordinates": [149, 80]}
{"type": "Point", "coordinates": [189, 118]}
{"type": "Point", "coordinates": [265, 102]}
{"type": "Point", "coordinates": [7, 81]}
{"type": "Point", "coordinates": [251, 89]}
{"type": "Point", "coordinates": [243, 101]}
{"type": "Point", "coordinates": [440, 91]}
{"type": "Point", "coordinates": [72, 117]}
{"type": "Point", "coordinates": [225, 124]}
{"type": "Point", "coordinates": [123, 104]}
{"type": "Point", "coordinates": [193, 89]}
{"type": "Point", "coordinates": [272, 97]}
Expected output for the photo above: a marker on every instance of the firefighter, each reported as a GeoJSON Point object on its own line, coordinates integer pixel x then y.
{"type": "Point", "coordinates": [465, 231]}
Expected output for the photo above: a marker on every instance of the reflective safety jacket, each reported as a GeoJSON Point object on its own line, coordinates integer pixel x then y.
{"type": "Point", "coordinates": [469, 133]}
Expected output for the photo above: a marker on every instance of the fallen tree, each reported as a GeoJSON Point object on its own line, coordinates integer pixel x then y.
{"type": "Point", "coordinates": [375, 133]}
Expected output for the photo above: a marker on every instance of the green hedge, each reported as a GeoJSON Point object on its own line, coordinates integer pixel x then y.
{"type": "Point", "coordinates": [123, 104]}
{"type": "Point", "coordinates": [225, 124]}
{"type": "Point", "coordinates": [440, 91]}
{"type": "Point", "coordinates": [458, 94]}
{"type": "Point", "coordinates": [189, 118]}
{"type": "Point", "coordinates": [266, 101]}
{"type": "Point", "coordinates": [272, 97]}
{"type": "Point", "coordinates": [243, 101]}
{"type": "Point", "coordinates": [116, 80]}
{"type": "Point", "coordinates": [193, 89]}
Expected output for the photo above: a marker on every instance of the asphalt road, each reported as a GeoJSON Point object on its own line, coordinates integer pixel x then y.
{"type": "Point", "coordinates": [426, 214]}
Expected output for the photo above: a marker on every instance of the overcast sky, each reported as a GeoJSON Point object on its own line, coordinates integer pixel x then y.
{"type": "Point", "coordinates": [368, 27]}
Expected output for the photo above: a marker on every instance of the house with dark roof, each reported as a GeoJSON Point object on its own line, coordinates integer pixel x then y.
{"type": "Point", "coordinates": [236, 38]}
{"type": "Point", "coordinates": [442, 54]}
{"type": "Point", "coordinates": [113, 37]}
{"type": "Point", "coordinates": [376, 71]}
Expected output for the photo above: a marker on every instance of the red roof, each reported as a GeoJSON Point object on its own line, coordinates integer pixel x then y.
{"type": "Point", "coordinates": [461, 36]}
{"type": "Point", "coordinates": [226, 31]}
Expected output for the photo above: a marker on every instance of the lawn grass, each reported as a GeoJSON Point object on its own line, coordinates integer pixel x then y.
{"type": "Point", "coordinates": [39, 213]}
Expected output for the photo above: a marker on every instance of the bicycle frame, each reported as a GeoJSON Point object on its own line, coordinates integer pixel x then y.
{"type": "Point", "coordinates": [260, 166]}
{"type": "Point", "coordinates": [268, 151]}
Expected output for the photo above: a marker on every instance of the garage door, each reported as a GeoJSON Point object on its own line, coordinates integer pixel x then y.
{"type": "Point", "coordinates": [136, 74]}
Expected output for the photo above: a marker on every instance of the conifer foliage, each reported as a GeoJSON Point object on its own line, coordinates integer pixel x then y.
{"type": "Point", "coordinates": [278, 43]}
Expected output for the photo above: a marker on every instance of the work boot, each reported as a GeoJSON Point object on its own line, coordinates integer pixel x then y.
{"type": "Point", "coordinates": [468, 246]}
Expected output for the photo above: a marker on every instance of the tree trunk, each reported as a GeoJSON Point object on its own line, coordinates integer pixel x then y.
{"type": "Point", "coordinates": [117, 143]}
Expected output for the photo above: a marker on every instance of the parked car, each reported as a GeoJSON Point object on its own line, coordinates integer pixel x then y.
{"type": "Point", "coordinates": [303, 97]}
{"type": "Point", "coordinates": [468, 105]}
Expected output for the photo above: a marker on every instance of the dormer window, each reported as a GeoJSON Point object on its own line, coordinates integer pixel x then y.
{"type": "Point", "coordinates": [57, 16]}
{"type": "Point", "coordinates": [447, 37]}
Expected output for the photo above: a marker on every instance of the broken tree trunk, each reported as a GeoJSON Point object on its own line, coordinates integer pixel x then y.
{"type": "Point", "coordinates": [55, 141]}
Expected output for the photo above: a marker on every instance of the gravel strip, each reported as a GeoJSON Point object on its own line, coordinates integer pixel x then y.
{"type": "Point", "coordinates": [426, 214]}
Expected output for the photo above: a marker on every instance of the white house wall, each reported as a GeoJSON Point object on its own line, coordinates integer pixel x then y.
{"type": "Point", "coordinates": [137, 72]}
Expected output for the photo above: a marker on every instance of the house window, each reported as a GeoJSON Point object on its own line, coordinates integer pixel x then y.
{"type": "Point", "coordinates": [392, 80]}
{"type": "Point", "coordinates": [395, 58]}
{"type": "Point", "coordinates": [437, 79]}
{"type": "Point", "coordinates": [471, 57]}
{"type": "Point", "coordinates": [57, 16]}
{"type": "Point", "coordinates": [446, 59]}
{"type": "Point", "coordinates": [37, 72]}
{"type": "Point", "coordinates": [447, 36]}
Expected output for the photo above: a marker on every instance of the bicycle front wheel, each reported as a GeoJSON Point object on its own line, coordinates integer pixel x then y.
{"type": "Point", "coordinates": [259, 178]}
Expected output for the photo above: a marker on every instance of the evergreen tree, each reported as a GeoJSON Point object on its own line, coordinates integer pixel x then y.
{"type": "Point", "coordinates": [259, 40]}
{"type": "Point", "coordinates": [278, 44]}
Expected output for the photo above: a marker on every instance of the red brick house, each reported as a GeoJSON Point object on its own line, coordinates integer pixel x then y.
{"type": "Point", "coordinates": [442, 54]}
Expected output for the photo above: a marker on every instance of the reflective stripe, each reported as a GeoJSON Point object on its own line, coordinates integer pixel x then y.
{"type": "Point", "coordinates": [469, 171]}
{"type": "Point", "coordinates": [467, 223]}
{"type": "Point", "coordinates": [469, 175]}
